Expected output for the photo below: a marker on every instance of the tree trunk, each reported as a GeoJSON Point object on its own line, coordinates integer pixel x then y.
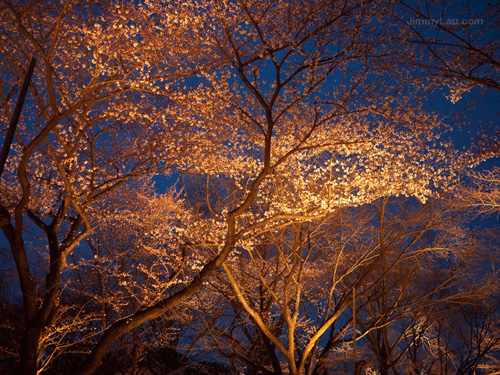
{"type": "Point", "coordinates": [29, 351]}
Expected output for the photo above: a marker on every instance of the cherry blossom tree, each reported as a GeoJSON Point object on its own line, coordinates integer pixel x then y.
{"type": "Point", "coordinates": [454, 47]}
{"type": "Point", "coordinates": [132, 257]}
{"type": "Point", "coordinates": [417, 274]}
{"type": "Point", "coordinates": [449, 285]}
{"type": "Point", "coordinates": [455, 44]}
{"type": "Point", "coordinates": [282, 114]}
{"type": "Point", "coordinates": [293, 155]}
{"type": "Point", "coordinates": [407, 263]}
{"type": "Point", "coordinates": [483, 191]}
{"type": "Point", "coordinates": [100, 77]}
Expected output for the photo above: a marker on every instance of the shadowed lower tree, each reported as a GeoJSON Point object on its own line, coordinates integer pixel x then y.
{"type": "Point", "coordinates": [287, 299]}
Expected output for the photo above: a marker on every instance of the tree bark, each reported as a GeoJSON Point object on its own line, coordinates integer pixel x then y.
{"type": "Point", "coordinates": [29, 351]}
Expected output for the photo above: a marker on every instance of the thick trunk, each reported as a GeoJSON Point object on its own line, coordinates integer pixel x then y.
{"type": "Point", "coordinates": [29, 351]}
{"type": "Point", "coordinates": [93, 360]}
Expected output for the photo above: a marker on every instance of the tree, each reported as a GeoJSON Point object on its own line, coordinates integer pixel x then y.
{"type": "Point", "coordinates": [292, 156]}
{"type": "Point", "coordinates": [130, 259]}
{"type": "Point", "coordinates": [412, 267]}
{"type": "Point", "coordinates": [244, 111]}
{"type": "Point", "coordinates": [483, 191]}
{"type": "Point", "coordinates": [455, 46]}
{"type": "Point", "coordinates": [453, 43]}
{"type": "Point", "coordinates": [450, 283]}
{"type": "Point", "coordinates": [86, 132]}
